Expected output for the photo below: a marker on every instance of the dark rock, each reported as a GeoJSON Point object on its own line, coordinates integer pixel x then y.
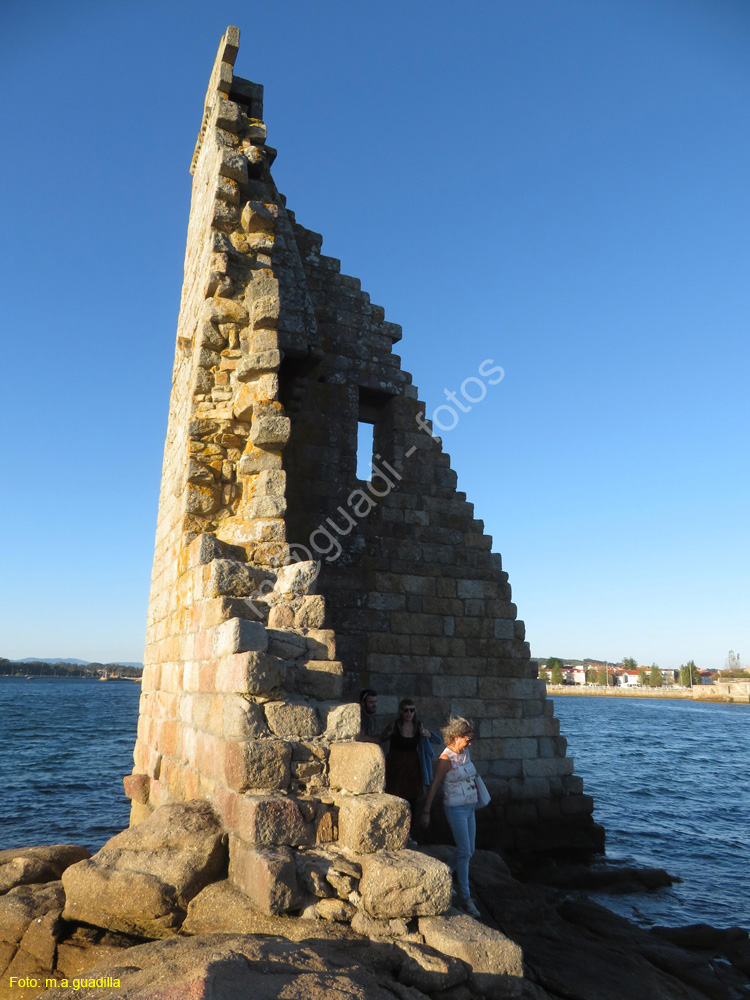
{"type": "Point", "coordinates": [701, 936]}
{"type": "Point", "coordinates": [598, 878]}
{"type": "Point", "coordinates": [582, 951]}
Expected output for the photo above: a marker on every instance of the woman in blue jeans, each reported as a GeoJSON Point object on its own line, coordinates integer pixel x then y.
{"type": "Point", "coordinates": [455, 771]}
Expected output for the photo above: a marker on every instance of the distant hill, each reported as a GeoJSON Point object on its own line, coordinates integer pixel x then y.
{"type": "Point", "coordinates": [51, 659]}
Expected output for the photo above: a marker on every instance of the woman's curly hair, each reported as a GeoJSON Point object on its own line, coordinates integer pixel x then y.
{"type": "Point", "coordinates": [456, 726]}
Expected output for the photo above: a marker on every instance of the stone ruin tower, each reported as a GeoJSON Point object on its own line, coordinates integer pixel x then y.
{"type": "Point", "coordinates": [282, 584]}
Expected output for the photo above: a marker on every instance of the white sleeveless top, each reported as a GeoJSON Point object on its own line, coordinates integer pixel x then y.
{"type": "Point", "coordinates": [459, 785]}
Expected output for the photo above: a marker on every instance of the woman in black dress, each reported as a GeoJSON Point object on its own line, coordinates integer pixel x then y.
{"type": "Point", "coordinates": [402, 770]}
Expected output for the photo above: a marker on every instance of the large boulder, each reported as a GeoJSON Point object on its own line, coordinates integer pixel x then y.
{"type": "Point", "coordinates": [143, 879]}
{"type": "Point", "coordinates": [31, 865]}
{"type": "Point", "coordinates": [404, 884]}
{"type": "Point", "coordinates": [495, 962]}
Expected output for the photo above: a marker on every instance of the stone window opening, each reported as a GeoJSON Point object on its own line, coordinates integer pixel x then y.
{"type": "Point", "coordinates": [365, 449]}
{"type": "Point", "coordinates": [372, 430]}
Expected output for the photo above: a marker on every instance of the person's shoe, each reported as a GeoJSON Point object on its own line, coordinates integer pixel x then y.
{"type": "Point", "coordinates": [467, 905]}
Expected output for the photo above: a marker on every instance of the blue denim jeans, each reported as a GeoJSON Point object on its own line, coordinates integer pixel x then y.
{"type": "Point", "coordinates": [463, 824]}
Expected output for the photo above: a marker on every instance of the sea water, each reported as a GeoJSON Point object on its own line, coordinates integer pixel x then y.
{"type": "Point", "coordinates": [671, 787]}
{"type": "Point", "coordinates": [64, 748]}
{"type": "Point", "coordinates": [669, 779]}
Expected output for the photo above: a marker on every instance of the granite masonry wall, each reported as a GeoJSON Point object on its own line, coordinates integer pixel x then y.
{"type": "Point", "coordinates": [282, 583]}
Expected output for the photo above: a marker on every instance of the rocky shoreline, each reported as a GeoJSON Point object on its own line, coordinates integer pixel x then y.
{"type": "Point", "coordinates": [155, 915]}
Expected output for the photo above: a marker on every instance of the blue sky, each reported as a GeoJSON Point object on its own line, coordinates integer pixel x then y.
{"type": "Point", "coordinates": [560, 186]}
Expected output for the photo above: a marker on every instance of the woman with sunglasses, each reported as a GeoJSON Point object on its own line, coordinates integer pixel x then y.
{"type": "Point", "coordinates": [403, 775]}
{"type": "Point", "coordinates": [455, 771]}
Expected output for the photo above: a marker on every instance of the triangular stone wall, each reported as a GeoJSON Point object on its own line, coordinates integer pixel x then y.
{"type": "Point", "coordinates": [282, 584]}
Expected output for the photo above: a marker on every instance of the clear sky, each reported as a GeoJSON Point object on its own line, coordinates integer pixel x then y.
{"type": "Point", "coordinates": [561, 186]}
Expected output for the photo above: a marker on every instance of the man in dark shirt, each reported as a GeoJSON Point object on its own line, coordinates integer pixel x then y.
{"type": "Point", "coordinates": [368, 707]}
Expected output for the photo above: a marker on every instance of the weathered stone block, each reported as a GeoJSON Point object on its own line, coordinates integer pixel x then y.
{"type": "Point", "coordinates": [248, 673]}
{"type": "Point", "coordinates": [271, 820]}
{"type": "Point", "coordinates": [233, 164]}
{"type": "Point", "coordinates": [312, 613]}
{"type": "Point", "coordinates": [286, 718]}
{"type": "Point", "coordinates": [256, 363]}
{"type": "Point", "coordinates": [296, 580]}
{"type": "Point", "coordinates": [521, 748]}
{"type": "Point", "coordinates": [495, 962]}
{"type": "Point", "coordinates": [270, 431]}
{"type": "Point", "coordinates": [335, 909]}
{"type": "Point", "coordinates": [576, 805]}
{"type": "Point", "coordinates": [504, 628]}
{"type": "Point", "coordinates": [322, 679]}
{"type": "Point", "coordinates": [264, 312]}
{"type": "Point", "coordinates": [342, 722]}
{"type": "Point", "coordinates": [242, 719]}
{"type": "Point", "coordinates": [244, 401]}
{"type": "Point", "coordinates": [227, 114]}
{"type": "Point", "coordinates": [370, 823]}
{"type": "Point", "coordinates": [548, 767]}
{"type": "Point", "coordinates": [356, 767]}
{"type": "Point", "coordinates": [258, 765]}
{"type": "Point", "coordinates": [267, 505]}
{"type": "Point", "coordinates": [529, 788]}
{"type": "Point", "coordinates": [446, 687]}
{"type": "Point", "coordinates": [40, 939]}
{"type": "Point", "coordinates": [321, 644]}
{"type": "Point", "coordinates": [257, 460]}
{"type": "Point", "coordinates": [286, 645]}
{"type": "Point", "coordinates": [281, 616]}
{"type": "Point", "coordinates": [267, 875]}
{"type": "Point", "coordinates": [404, 884]}
{"type": "Point", "coordinates": [238, 635]}
{"type": "Point", "coordinates": [201, 499]}
{"type": "Point", "coordinates": [233, 579]}
{"type": "Point", "coordinates": [137, 787]}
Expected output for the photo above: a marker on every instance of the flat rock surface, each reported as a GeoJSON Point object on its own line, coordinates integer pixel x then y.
{"type": "Point", "coordinates": [21, 905]}
{"type": "Point", "coordinates": [229, 967]}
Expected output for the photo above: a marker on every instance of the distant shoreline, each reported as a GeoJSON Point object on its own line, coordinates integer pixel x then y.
{"type": "Point", "coordinates": [676, 694]}
{"type": "Point", "coordinates": [69, 677]}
